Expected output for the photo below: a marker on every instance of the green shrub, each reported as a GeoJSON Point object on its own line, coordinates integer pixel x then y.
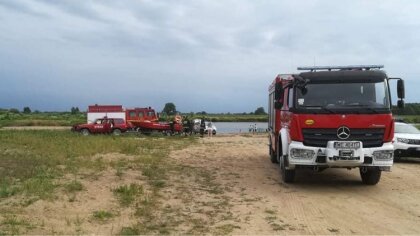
{"type": "Point", "coordinates": [102, 215]}
{"type": "Point", "coordinates": [127, 193]}
{"type": "Point", "coordinates": [73, 186]}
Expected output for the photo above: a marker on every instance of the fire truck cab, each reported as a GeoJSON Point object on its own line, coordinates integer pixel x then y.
{"type": "Point", "coordinates": [332, 117]}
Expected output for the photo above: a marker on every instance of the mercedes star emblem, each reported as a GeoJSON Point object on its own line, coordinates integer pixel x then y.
{"type": "Point", "coordinates": [343, 132]}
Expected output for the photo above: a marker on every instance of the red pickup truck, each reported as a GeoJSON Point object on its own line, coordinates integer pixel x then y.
{"type": "Point", "coordinates": [104, 125]}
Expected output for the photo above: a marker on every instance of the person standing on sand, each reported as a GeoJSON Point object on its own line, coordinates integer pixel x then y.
{"type": "Point", "coordinates": [210, 129]}
{"type": "Point", "coordinates": [202, 127]}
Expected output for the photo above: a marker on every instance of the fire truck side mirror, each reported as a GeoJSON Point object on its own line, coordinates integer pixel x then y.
{"type": "Point", "coordinates": [401, 103]}
{"type": "Point", "coordinates": [278, 91]}
{"type": "Point", "coordinates": [278, 104]}
{"type": "Point", "coordinates": [400, 89]}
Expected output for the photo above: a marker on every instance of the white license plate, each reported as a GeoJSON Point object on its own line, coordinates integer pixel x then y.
{"type": "Point", "coordinates": [346, 145]}
{"type": "Point", "coordinates": [346, 153]}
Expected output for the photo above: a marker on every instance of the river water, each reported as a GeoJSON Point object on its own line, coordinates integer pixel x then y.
{"type": "Point", "coordinates": [239, 127]}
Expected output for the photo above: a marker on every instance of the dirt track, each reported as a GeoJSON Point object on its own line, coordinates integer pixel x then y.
{"type": "Point", "coordinates": [330, 202]}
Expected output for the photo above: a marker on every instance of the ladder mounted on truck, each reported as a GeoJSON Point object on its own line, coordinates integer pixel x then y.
{"type": "Point", "coordinates": [330, 68]}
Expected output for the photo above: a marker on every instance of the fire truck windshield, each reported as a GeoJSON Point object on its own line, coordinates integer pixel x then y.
{"type": "Point", "coordinates": [344, 96]}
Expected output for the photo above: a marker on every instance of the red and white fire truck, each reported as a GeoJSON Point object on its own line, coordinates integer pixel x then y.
{"type": "Point", "coordinates": [333, 116]}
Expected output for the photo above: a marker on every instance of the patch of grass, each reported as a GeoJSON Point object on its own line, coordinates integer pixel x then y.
{"type": "Point", "coordinates": [78, 223]}
{"type": "Point", "coordinates": [270, 218]}
{"type": "Point", "coordinates": [271, 212]}
{"type": "Point", "coordinates": [29, 201]}
{"type": "Point", "coordinates": [33, 162]}
{"type": "Point", "coordinates": [73, 186]}
{"type": "Point", "coordinates": [102, 215]}
{"type": "Point", "coordinates": [127, 193]}
{"type": "Point", "coordinates": [333, 230]}
{"type": "Point", "coordinates": [199, 226]}
{"type": "Point", "coordinates": [207, 182]}
{"type": "Point", "coordinates": [12, 225]}
{"type": "Point", "coordinates": [129, 231]}
{"type": "Point", "coordinates": [158, 227]}
{"type": "Point", "coordinates": [155, 171]}
{"type": "Point", "coordinates": [256, 199]}
{"type": "Point", "coordinates": [146, 208]}
{"type": "Point", "coordinates": [8, 118]}
{"type": "Point", "coordinates": [209, 213]}
{"type": "Point", "coordinates": [43, 188]}
{"type": "Point", "coordinates": [41, 185]}
{"type": "Point", "coordinates": [158, 183]}
{"type": "Point", "coordinates": [226, 229]}
{"type": "Point", "coordinates": [7, 189]}
{"type": "Point", "coordinates": [24, 153]}
{"type": "Point", "coordinates": [277, 227]}
{"type": "Point", "coordinates": [119, 172]}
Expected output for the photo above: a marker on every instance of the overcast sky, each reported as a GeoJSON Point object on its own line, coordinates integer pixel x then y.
{"type": "Point", "coordinates": [214, 56]}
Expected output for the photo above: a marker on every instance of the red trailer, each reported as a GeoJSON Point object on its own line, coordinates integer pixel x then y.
{"type": "Point", "coordinates": [146, 120]}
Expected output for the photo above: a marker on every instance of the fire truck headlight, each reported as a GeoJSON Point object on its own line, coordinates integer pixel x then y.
{"type": "Point", "coordinates": [384, 155]}
{"type": "Point", "coordinates": [306, 154]}
{"type": "Point", "coordinates": [402, 140]}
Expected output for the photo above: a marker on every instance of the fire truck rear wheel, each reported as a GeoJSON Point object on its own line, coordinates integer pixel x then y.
{"type": "Point", "coordinates": [370, 176]}
{"type": "Point", "coordinates": [288, 176]}
{"type": "Point", "coordinates": [273, 156]}
{"type": "Point", "coordinates": [116, 132]}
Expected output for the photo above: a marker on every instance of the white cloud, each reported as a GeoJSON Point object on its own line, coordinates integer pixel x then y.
{"type": "Point", "coordinates": [151, 52]}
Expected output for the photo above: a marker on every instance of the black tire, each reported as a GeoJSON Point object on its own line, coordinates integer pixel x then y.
{"type": "Point", "coordinates": [116, 132]}
{"type": "Point", "coordinates": [214, 132]}
{"type": "Point", "coordinates": [288, 176]}
{"type": "Point", "coordinates": [397, 156]}
{"type": "Point", "coordinates": [85, 132]}
{"type": "Point", "coordinates": [273, 156]}
{"type": "Point", "coordinates": [370, 176]}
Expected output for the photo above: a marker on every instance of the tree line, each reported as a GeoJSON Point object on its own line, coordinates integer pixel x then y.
{"type": "Point", "coordinates": [170, 109]}
{"type": "Point", "coordinates": [28, 110]}
{"type": "Point", "coordinates": [409, 109]}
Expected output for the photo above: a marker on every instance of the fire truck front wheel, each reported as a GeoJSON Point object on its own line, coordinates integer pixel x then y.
{"type": "Point", "coordinates": [370, 176]}
{"type": "Point", "coordinates": [287, 175]}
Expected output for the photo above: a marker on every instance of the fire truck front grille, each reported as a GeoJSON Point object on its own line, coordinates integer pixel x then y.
{"type": "Point", "coordinates": [320, 137]}
{"type": "Point", "coordinates": [414, 141]}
